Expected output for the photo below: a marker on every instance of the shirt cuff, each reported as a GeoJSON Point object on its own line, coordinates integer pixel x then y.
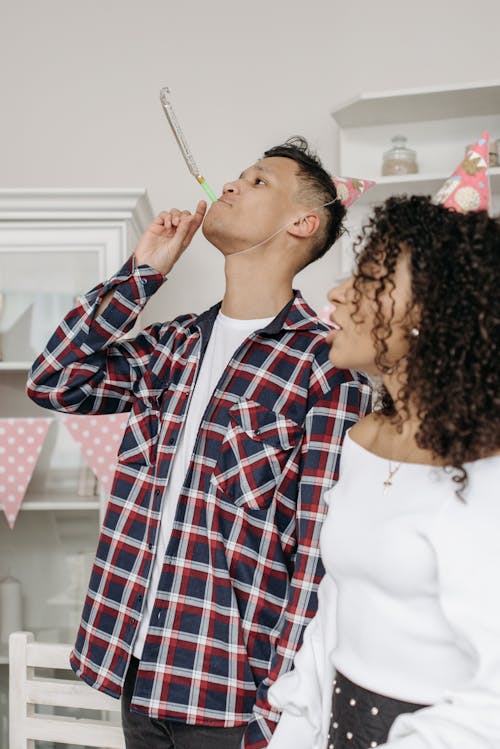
{"type": "Point", "coordinates": [129, 270]}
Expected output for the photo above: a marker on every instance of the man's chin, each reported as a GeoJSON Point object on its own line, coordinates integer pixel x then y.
{"type": "Point", "coordinates": [210, 232]}
{"type": "Point", "coordinates": [215, 234]}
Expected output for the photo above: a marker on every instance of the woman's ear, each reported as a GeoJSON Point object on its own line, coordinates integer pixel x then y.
{"type": "Point", "coordinates": [414, 315]}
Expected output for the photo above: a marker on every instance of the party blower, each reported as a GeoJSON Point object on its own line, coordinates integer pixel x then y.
{"type": "Point", "coordinates": [165, 98]}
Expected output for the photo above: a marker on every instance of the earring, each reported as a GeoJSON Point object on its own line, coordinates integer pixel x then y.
{"type": "Point", "coordinates": [415, 332]}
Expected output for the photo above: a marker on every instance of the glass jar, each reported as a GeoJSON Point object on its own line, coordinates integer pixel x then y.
{"type": "Point", "coordinates": [399, 159]}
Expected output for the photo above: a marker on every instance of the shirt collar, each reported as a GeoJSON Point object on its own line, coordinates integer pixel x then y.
{"type": "Point", "coordinates": [295, 315]}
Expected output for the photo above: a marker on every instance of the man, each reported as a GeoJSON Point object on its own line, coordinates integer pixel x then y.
{"type": "Point", "coordinates": [208, 562]}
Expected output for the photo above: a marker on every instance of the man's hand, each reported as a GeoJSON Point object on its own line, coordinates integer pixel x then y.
{"type": "Point", "coordinates": [167, 237]}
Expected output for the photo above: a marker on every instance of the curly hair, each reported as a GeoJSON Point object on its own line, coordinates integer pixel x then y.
{"type": "Point", "coordinates": [453, 366]}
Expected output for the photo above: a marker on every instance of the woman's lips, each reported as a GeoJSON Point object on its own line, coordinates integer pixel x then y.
{"type": "Point", "coordinates": [333, 332]}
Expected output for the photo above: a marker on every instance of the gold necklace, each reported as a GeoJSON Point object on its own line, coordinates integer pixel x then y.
{"type": "Point", "coordinates": [390, 475]}
{"type": "Point", "coordinates": [393, 471]}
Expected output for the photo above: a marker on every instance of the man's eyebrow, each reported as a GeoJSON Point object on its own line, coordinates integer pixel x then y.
{"type": "Point", "coordinates": [258, 168]}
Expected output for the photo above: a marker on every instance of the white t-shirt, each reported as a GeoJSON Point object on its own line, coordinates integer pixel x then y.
{"type": "Point", "coordinates": [409, 606]}
{"type": "Point", "coordinates": [227, 336]}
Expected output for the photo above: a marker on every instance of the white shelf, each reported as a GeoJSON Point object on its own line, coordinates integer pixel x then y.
{"type": "Point", "coordinates": [439, 123]}
{"type": "Point", "coordinates": [419, 105]}
{"type": "Point", "coordinates": [39, 502]}
{"type": "Point", "coordinates": [416, 184]}
{"type": "Point", "coordinates": [15, 366]}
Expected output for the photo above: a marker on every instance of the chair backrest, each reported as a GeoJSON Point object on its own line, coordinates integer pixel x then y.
{"type": "Point", "coordinates": [53, 693]}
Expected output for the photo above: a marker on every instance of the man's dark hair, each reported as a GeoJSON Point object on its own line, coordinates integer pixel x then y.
{"type": "Point", "coordinates": [315, 188]}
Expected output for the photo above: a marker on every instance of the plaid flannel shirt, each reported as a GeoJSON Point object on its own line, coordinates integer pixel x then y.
{"type": "Point", "coordinates": [242, 566]}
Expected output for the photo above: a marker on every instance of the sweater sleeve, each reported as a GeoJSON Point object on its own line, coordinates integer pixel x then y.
{"type": "Point", "coordinates": [466, 539]}
{"type": "Point", "coordinates": [300, 693]}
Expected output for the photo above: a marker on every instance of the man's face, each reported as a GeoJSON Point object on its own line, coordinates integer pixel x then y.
{"type": "Point", "coordinates": [254, 206]}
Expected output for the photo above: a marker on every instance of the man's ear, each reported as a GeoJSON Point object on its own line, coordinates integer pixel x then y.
{"type": "Point", "coordinates": [305, 226]}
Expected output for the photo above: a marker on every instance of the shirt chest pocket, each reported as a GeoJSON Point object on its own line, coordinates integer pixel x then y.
{"type": "Point", "coordinates": [139, 443]}
{"type": "Point", "coordinates": [254, 451]}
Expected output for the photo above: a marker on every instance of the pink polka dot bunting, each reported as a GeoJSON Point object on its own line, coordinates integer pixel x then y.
{"type": "Point", "coordinates": [98, 438]}
{"type": "Point", "coordinates": [21, 442]}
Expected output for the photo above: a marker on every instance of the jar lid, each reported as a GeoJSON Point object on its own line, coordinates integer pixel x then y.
{"type": "Point", "coordinates": [399, 150]}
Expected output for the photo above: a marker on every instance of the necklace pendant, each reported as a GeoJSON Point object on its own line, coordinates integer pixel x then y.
{"type": "Point", "coordinates": [387, 484]}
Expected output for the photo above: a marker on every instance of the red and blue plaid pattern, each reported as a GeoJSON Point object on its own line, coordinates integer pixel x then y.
{"type": "Point", "coordinates": [242, 566]}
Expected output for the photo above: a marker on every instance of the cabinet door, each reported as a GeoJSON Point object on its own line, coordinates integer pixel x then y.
{"type": "Point", "coordinates": [54, 246]}
{"type": "Point", "coordinates": [44, 267]}
{"type": "Point", "coordinates": [49, 549]}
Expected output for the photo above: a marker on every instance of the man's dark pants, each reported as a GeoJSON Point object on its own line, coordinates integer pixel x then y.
{"type": "Point", "coordinates": [142, 732]}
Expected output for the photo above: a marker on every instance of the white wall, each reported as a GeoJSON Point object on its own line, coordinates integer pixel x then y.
{"type": "Point", "coordinates": [79, 86]}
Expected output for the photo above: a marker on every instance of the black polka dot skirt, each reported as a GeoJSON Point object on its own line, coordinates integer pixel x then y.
{"type": "Point", "coordinates": [361, 719]}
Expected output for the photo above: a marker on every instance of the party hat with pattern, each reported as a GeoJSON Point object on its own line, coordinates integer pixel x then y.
{"type": "Point", "coordinates": [468, 187]}
{"type": "Point", "coordinates": [349, 189]}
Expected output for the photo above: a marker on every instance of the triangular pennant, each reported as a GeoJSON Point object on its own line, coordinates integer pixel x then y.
{"type": "Point", "coordinates": [349, 189]}
{"type": "Point", "coordinates": [98, 438]}
{"type": "Point", "coordinates": [21, 442]}
{"type": "Point", "coordinates": [468, 187]}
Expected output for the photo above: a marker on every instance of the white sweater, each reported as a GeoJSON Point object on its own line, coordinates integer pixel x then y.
{"type": "Point", "coordinates": [409, 606]}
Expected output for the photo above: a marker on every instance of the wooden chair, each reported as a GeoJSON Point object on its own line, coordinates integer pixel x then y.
{"type": "Point", "coordinates": [29, 691]}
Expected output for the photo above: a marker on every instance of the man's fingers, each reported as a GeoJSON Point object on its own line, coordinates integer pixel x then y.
{"type": "Point", "coordinates": [198, 215]}
{"type": "Point", "coordinates": [201, 209]}
{"type": "Point", "coordinates": [183, 223]}
{"type": "Point", "coordinates": [196, 220]}
{"type": "Point", "coordinates": [183, 234]}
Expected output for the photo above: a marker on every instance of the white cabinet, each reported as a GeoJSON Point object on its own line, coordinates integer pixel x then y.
{"type": "Point", "coordinates": [438, 122]}
{"type": "Point", "coordinates": [54, 246]}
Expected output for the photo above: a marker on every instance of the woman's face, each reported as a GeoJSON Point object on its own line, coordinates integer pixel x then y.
{"type": "Point", "coordinates": [351, 341]}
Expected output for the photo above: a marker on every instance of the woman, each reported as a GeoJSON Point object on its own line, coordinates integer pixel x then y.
{"type": "Point", "coordinates": [404, 651]}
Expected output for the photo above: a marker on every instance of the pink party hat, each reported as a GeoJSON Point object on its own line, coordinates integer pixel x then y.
{"type": "Point", "coordinates": [349, 189]}
{"type": "Point", "coordinates": [468, 188]}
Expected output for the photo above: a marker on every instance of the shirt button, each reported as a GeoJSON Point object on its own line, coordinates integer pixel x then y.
{"type": "Point", "coordinates": [171, 441]}
{"type": "Point", "coordinates": [143, 281]}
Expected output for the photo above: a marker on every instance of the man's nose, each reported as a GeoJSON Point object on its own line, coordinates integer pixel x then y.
{"type": "Point", "coordinates": [231, 188]}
